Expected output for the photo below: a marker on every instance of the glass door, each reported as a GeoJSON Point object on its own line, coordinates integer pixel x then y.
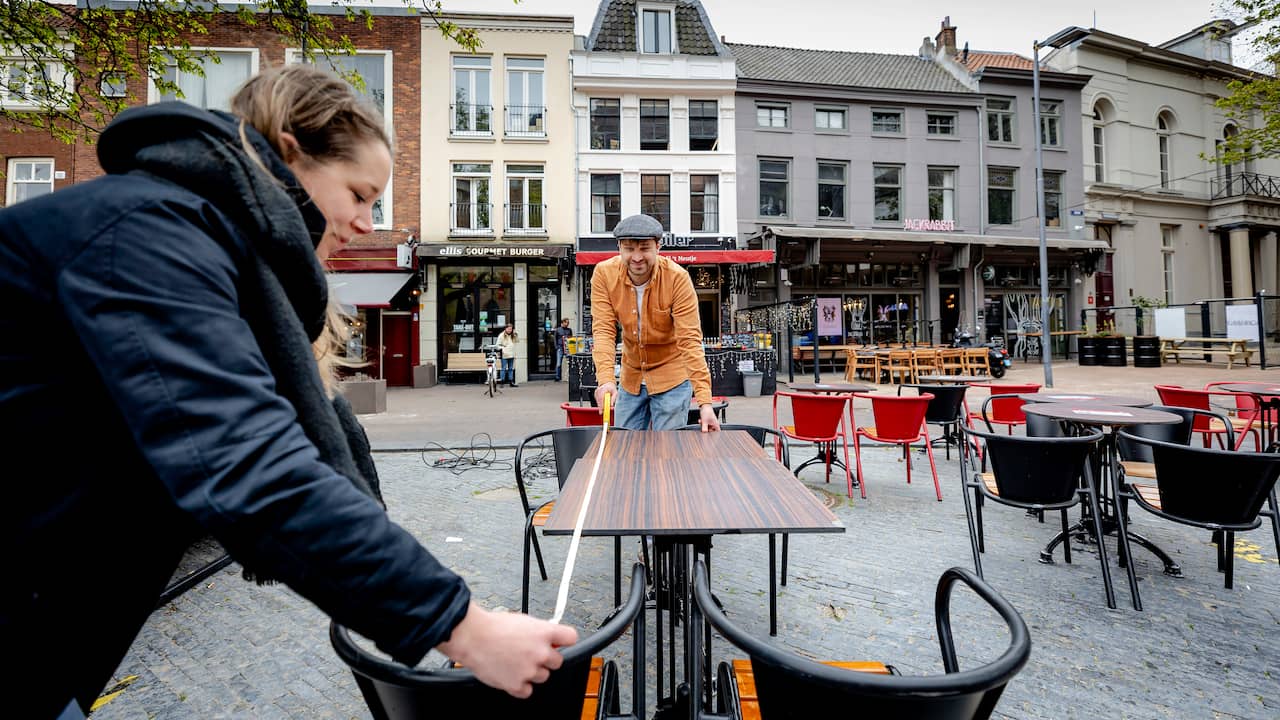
{"type": "Point", "coordinates": [544, 317]}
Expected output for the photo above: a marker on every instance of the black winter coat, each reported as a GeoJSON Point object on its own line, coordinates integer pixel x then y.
{"type": "Point", "coordinates": [137, 413]}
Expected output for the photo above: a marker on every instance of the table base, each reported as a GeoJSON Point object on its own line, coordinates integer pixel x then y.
{"type": "Point", "coordinates": [1084, 531]}
{"type": "Point", "coordinates": [827, 456]}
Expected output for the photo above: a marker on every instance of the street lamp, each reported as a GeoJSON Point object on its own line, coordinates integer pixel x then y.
{"type": "Point", "coordinates": [1055, 41]}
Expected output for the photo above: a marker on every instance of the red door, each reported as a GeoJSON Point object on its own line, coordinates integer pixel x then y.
{"type": "Point", "coordinates": [397, 368]}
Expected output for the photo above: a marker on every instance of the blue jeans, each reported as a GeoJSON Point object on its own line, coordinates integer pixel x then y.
{"type": "Point", "coordinates": [665, 411]}
{"type": "Point", "coordinates": [559, 361]}
{"type": "Point", "coordinates": [508, 374]}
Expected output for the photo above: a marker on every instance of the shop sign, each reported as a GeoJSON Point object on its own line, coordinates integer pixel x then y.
{"type": "Point", "coordinates": [668, 242]}
{"type": "Point", "coordinates": [929, 225]}
{"type": "Point", "coordinates": [492, 250]}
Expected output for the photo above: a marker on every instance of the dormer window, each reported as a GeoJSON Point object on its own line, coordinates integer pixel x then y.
{"type": "Point", "coordinates": [655, 31]}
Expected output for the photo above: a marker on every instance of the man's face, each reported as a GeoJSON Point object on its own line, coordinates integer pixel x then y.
{"type": "Point", "coordinates": [640, 256]}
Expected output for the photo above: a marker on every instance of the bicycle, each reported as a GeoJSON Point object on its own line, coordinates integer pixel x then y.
{"type": "Point", "coordinates": [492, 362]}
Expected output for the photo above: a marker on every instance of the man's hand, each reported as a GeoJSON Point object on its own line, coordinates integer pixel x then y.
{"type": "Point", "coordinates": [607, 389]}
{"type": "Point", "coordinates": [708, 419]}
{"type": "Point", "coordinates": [508, 651]}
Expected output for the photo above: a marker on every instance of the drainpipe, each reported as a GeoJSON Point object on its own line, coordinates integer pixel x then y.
{"type": "Point", "coordinates": [573, 115]}
{"type": "Point", "coordinates": [980, 331]}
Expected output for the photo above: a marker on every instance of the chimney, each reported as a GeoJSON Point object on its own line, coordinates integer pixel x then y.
{"type": "Point", "coordinates": [946, 39]}
{"type": "Point", "coordinates": [926, 49]}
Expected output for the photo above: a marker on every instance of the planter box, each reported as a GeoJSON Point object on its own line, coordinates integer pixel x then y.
{"type": "Point", "coordinates": [1087, 348]}
{"type": "Point", "coordinates": [424, 375]}
{"type": "Point", "coordinates": [1111, 352]}
{"type": "Point", "coordinates": [1146, 351]}
{"type": "Point", "coordinates": [365, 396]}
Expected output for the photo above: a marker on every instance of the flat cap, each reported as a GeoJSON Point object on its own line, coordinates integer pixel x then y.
{"type": "Point", "coordinates": [638, 227]}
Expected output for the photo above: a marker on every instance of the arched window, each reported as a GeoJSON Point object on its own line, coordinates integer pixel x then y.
{"type": "Point", "coordinates": [1164, 124]}
{"type": "Point", "coordinates": [1099, 145]}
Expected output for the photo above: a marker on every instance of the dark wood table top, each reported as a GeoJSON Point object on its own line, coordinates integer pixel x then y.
{"type": "Point", "coordinates": [1092, 413]}
{"type": "Point", "coordinates": [831, 387]}
{"type": "Point", "coordinates": [653, 485]}
{"type": "Point", "coordinates": [1252, 388]}
{"type": "Point", "coordinates": [1074, 397]}
{"type": "Point", "coordinates": [958, 379]}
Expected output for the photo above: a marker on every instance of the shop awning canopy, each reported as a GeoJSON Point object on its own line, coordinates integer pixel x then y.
{"type": "Point", "coordinates": [931, 238]}
{"type": "Point", "coordinates": [367, 290]}
{"type": "Point", "coordinates": [690, 257]}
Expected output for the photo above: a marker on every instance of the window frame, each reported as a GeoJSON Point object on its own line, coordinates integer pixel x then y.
{"type": "Point", "coordinates": [656, 122]}
{"type": "Point", "coordinates": [771, 107]}
{"type": "Point", "coordinates": [527, 117]}
{"type": "Point", "coordinates": [843, 112]}
{"type": "Point", "coordinates": [933, 131]}
{"type": "Point", "coordinates": [1167, 250]}
{"type": "Point", "coordinates": [785, 182]}
{"type": "Point", "coordinates": [714, 214]}
{"type": "Point", "coordinates": [943, 189]}
{"type": "Point", "coordinates": [154, 95]}
{"type": "Point", "coordinates": [1051, 118]}
{"type": "Point", "coordinates": [472, 175]}
{"type": "Point", "coordinates": [877, 187]}
{"type": "Point", "coordinates": [650, 201]}
{"type": "Point", "coordinates": [50, 70]}
{"type": "Point", "coordinates": [1164, 154]}
{"type": "Point", "coordinates": [593, 117]}
{"type": "Point", "coordinates": [472, 129]}
{"type": "Point", "coordinates": [902, 122]}
{"type": "Point", "coordinates": [1099, 147]}
{"type": "Point", "coordinates": [11, 174]}
{"type": "Point", "coordinates": [1011, 189]}
{"type": "Point", "coordinates": [844, 189]}
{"type": "Point", "coordinates": [1056, 220]}
{"type": "Point", "coordinates": [522, 173]}
{"type": "Point", "coordinates": [604, 214]}
{"type": "Point", "coordinates": [642, 28]}
{"type": "Point", "coordinates": [1010, 114]}
{"type": "Point", "coordinates": [703, 120]}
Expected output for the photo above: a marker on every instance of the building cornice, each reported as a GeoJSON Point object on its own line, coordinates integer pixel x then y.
{"type": "Point", "coordinates": [1138, 50]}
{"type": "Point", "coordinates": [873, 95]}
{"type": "Point", "coordinates": [506, 22]}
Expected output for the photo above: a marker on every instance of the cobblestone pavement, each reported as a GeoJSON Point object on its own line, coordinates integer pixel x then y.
{"type": "Point", "coordinates": [232, 649]}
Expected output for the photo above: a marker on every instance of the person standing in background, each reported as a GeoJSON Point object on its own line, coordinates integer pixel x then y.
{"type": "Point", "coordinates": [507, 341]}
{"type": "Point", "coordinates": [563, 333]}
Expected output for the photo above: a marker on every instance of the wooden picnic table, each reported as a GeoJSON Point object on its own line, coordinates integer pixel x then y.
{"type": "Point", "coordinates": [1173, 348]}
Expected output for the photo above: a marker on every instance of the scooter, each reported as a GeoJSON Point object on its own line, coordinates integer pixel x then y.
{"type": "Point", "coordinates": [998, 359]}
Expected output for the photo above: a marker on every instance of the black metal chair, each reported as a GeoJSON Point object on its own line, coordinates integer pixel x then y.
{"type": "Point", "coordinates": [567, 446]}
{"type": "Point", "coordinates": [788, 686]}
{"type": "Point", "coordinates": [1219, 490]}
{"type": "Point", "coordinates": [1136, 459]}
{"type": "Point", "coordinates": [1035, 474]}
{"type": "Point", "coordinates": [763, 435]}
{"type": "Point", "coordinates": [945, 410]}
{"type": "Point", "coordinates": [397, 692]}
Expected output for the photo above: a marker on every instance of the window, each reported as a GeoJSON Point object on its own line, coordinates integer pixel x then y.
{"type": "Point", "coordinates": [221, 78]}
{"type": "Point", "coordinates": [942, 193]}
{"type": "Point", "coordinates": [886, 122]}
{"type": "Point", "coordinates": [1000, 195]}
{"type": "Point", "coordinates": [472, 111]}
{"type": "Point", "coordinates": [1167, 250]}
{"type": "Point", "coordinates": [1051, 123]}
{"type": "Point", "coordinates": [526, 110]}
{"type": "Point", "coordinates": [831, 184]}
{"type": "Point", "coordinates": [1052, 199]}
{"type": "Point", "coordinates": [606, 124]}
{"type": "Point", "coordinates": [1162, 144]}
{"type": "Point", "coordinates": [704, 125]}
{"type": "Point", "coordinates": [28, 178]}
{"type": "Point", "coordinates": [772, 116]}
{"type": "Point", "coordinates": [888, 192]}
{"type": "Point", "coordinates": [471, 207]}
{"type": "Point", "coordinates": [828, 119]}
{"type": "Point", "coordinates": [704, 203]}
{"type": "Point", "coordinates": [774, 181]}
{"type": "Point", "coordinates": [28, 83]}
{"type": "Point", "coordinates": [606, 202]}
{"type": "Point", "coordinates": [1000, 120]}
{"type": "Point", "coordinates": [655, 31]}
{"type": "Point", "coordinates": [655, 198]}
{"type": "Point", "coordinates": [655, 124]}
{"type": "Point", "coordinates": [1099, 148]}
{"type": "Point", "coordinates": [941, 123]}
{"type": "Point", "coordinates": [524, 199]}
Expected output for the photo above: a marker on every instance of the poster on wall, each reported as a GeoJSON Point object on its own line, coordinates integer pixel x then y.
{"type": "Point", "coordinates": [1171, 322]}
{"type": "Point", "coordinates": [830, 317]}
{"type": "Point", "coordinates": [1242, 322]}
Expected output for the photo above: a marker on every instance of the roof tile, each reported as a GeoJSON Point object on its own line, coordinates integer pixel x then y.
{"type": "Point", "coordinates": [850, 69]}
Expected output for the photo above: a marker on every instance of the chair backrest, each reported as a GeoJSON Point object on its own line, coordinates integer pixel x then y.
{"type": "Point", "coordinates": [1037, 470]}
{"type": "Point", "coordinates": [1041, 426]}
{"type": "Point", "coordinates": [790, 686]}
{"type": "Point", "coordinates": [1210, 486]}
{"type": "Point", "coordinates": [1244, 401]}
{"type": "Point", "coordinates": [898, 417]}
{"type": "Point", "coordinates": [579, 416]}
{"type": "Point", "coordinates": [760, 434]}
{"type": "Point", "coordinates": [946, 403]}
{"type": "Point", "coordinates": [1179, 433]}
{"type": "Point", "coordinates": [1003, 406]}
{"type": "Point", "coordinates": [398, 692]}
{"type": "Point", "coordinates": [567, 445]}
{"type": "Point", "coordinates": [813, 416]}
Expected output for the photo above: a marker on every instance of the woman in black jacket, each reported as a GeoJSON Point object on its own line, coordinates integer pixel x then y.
{"type": "Point", "coordinates": [159, 384]}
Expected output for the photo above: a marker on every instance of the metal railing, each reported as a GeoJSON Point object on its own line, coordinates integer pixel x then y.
{"type": "Point", "coordinates": [526, 121]}
{"type": "Point", "coordinates": [1255, 316]}
{"type": "Point", "coordinates": [526, 219]}
{"type": "Point", "coordinates": [471, 218]}
{"type": "Point", "coordinates": [1241, 184]}
{"type": "Point", "coordinates": [470, 119]}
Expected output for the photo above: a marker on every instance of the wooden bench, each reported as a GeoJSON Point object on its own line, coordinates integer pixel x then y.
{"type": "Point", "coordinates": [831, 354]}
{"type": "Point", "coordinates": [465, 362]}
{"type": "Point", "coordinates": [1232, 348]}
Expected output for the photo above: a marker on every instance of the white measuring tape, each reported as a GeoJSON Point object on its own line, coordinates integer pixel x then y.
{"type": "Point", "coordinates": [562, 597]}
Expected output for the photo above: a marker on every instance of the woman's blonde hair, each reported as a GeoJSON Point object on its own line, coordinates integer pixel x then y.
{"type": "Point", "coordinates": [330, 121]}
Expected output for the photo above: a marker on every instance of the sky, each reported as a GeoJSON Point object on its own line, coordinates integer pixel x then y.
{"type": "Point", "coordinates": [897, 26]}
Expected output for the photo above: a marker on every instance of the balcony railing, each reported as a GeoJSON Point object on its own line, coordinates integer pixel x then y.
{"type": "Point", "coordinates": [1240, 184]}
{"type": "Point", "coordinates": [526, 121]}
{"type": "Point", "coordinates": [471, 120]}
{"type": "Point", "coordinates": [526, 219]}
{"type": "Point", "coordinates": [471, 218]}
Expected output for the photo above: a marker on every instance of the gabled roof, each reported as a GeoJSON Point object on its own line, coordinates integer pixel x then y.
{"type": "Point", "coordinates": [614, 29]}
{"type": "Point", "coordinates": [848, 69]}
{"type": "Point", "coordinates": [979, 59]}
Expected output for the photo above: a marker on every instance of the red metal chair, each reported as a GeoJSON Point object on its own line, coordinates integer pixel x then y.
{"type": "Point", "coordinates": [579, 416]}
{"type": "Point", "coordinates": [818, 419]}
{"type": "Point", "coordinates": [1006, 411]}
{"type": "Point", "coordinates": [899, 420]}
{"type": "Point", "coordinates": [1246, 404]}
{"type": "Point", "coordinates": [1208, 428]}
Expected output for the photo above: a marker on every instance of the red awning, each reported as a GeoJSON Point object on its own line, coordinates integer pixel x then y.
{"type": "Point", "coordinates": [691, 257]}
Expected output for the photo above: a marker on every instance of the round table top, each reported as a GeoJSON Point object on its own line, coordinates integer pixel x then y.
{"type": "Point", "coordinates": [1093, 413]}
{"type": "Point", "coordinates": [1120, 400]}
{"type": "Point", "coordinates": [835, 387]}
{"type": "Point", "coordinates": [958, 379]}
{"type": "Point", "coordinates": [1253, 388]}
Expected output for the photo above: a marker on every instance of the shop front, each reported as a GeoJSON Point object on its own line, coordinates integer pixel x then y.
{"type": "Point", "coordinates": [380, 309]}
{"type": "Point", "coordinates": [476, 289]}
